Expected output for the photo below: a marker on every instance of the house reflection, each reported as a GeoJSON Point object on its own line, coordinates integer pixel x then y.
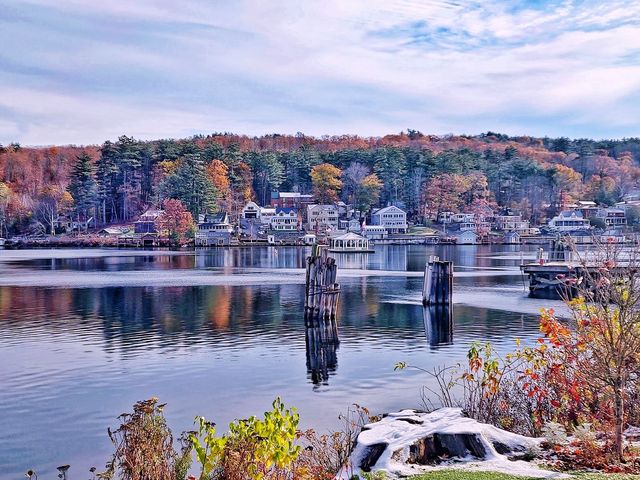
{"type": "Point", "coordinates": [322, 349]}
{"type": "Point", "coordinates": [438, 324]}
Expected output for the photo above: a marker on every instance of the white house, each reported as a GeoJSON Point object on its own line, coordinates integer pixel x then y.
{"type": "Point", "coordinates": [251, 211]}
{"type": "Point", "coordinates": [445, 217]}
{"type": "Point", "coordinates": [374, 232]}
{"type": "Point", "coordinates": [569, 220]}
{"type": "Point", "coordinates": [322, 217]}
{"type": "Point", "coordinates": [462, 217]}
{"type": "Point", "coordinates": [266, 214]}
{"type": "Point", "coordinates": [475, 225]}
{"type": "Point", "coordinates": [468, 237]}
{"type": "Point", "coordinates": [511, 223]}
{"type": "Point", "coordinates": [285, 220]}
{"type": "Point", "coordinates": [351, 225]}
{"type": "Point", "coordinates": [393, 219]}
{"type": "Point", "coordinates": [214, 229]}
{"type": "Point", "coordinates": [612, 217]}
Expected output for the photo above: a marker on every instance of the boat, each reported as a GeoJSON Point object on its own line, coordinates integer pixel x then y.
{"type": "Point", "coordinates": [350, 242]}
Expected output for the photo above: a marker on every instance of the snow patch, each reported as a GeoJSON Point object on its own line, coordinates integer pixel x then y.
{"type": "Point", "coordinates": [409, 442]}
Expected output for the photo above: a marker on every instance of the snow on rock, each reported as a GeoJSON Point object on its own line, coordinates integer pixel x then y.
{"type": "Point", "coordinates": [410, 442]}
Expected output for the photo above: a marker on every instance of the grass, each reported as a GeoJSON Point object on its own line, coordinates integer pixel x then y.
{"type": "Point", "coordinates": [461, 475]}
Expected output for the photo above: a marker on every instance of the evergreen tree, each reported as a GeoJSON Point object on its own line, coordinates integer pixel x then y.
{"type": "Point", "coordinates": [82, 186]}
{"type": "Point", "coordinates": [191, 185]}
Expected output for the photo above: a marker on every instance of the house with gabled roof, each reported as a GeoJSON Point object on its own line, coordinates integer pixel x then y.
{"type": "Point", "coordinates": [392, 218]}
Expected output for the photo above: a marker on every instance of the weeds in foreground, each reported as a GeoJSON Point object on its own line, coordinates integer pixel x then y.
{"type": "Point", "coordinates": [267, 448]}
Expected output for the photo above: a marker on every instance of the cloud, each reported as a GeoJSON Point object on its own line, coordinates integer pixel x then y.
{"type": "Point", "coordinates": [82, 72]}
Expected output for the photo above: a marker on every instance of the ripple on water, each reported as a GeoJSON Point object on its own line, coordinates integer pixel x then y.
{"type": "Point", "coordinates": [72, 359]}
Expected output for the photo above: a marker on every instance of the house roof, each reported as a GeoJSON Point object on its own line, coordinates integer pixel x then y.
{"type": "Point", "coordinates": [322, 207]}
{"type": "Point", "coordinates": [220, 217]}
{"type": "Point", "coordinates": [390, 208]}
{"type": "Point", "coordinates": [286, 210]}
{"type": "Point", "coordinates": [570, 214]}
{"type": "Point", "coordinates": [350, 236]}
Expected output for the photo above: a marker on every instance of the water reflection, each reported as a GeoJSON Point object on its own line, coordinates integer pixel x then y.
{"type": "Point", "coordinates": [322, 349]}
{"type": "Point", "coordinates": [71, 359]}
{"type": "Point", "coordinates": [438, 324]}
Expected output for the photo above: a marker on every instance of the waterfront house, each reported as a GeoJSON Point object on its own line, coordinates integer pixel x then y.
{"type": "Point", "coordinates": [511, 223]}
{"type": "Point", "coordinates": [146, 223]}
{"type": "Point", "coordinates": [309, 239]}
{"type": "Point", "coordinates": [462, 217]}
{"type": "Point", "coordinates": [266, 214]}
{"type": "Point", "coordinates": [297, 200]}
{"type": "Point", "coordinates": [612, 217]}
{"type": "Point", "coordinates": [445, 217]}
{"type": "Point", "coordinates": [468, 237]}
{"type": "Point", "coordinates": [511, 237]}
{"type": "Point", "coordinates": [112, 231]}
{"type": "Point", "coordinates": [322, 218]}
{"type": "Point", "coordinates": [214, 230]}
{"type": "Point", "coordinates": [251, 211]}
{"type": "Point", "coordinates": [475, 225]}
{"type": "Point", "coordinates": [392, 218]}
{"type": "Point", "coordinates": [374, 232]}
{"type": "Point", "coordinates": [569, 220]}
{"type": "Point", "coordinates": [351, 225]}
{"type": "Point", "coordinates": [284, 220]}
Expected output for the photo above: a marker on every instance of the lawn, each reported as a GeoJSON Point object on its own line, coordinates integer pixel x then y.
{"type": "Point", "coordinates": [461, 475]}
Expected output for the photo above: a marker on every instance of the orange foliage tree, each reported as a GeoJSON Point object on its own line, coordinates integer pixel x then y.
{"type": "Point", "coordinates": [176, 221]}
{"type": "Point", "coordinates": [326, 182]}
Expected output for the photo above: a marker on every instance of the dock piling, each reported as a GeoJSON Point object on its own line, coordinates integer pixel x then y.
{"type": "Point", "coordinates": [322, 293]}
{"type": "Point", "coordinates": [437, 286]}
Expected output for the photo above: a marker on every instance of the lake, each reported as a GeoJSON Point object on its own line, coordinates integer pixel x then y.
{"type": "Point", "coordinates": [86, 333]}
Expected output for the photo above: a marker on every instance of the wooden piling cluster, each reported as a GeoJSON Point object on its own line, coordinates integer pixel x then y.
{"type": "Point", "coordinates": [322, 292]}
{"type": "Point", "coordinates": [437, 288]}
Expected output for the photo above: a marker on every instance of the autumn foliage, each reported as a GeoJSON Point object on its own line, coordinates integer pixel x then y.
{"type": "Point", "coordinates": [176, 221]}
{"type": "Point", "coordinates": [427, 174]}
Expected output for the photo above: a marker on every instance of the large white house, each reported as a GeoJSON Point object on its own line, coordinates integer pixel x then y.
{"type": "Point", "coordinates": [393, 219]}
{"type": "Point", "coordinates": [214, 229]}
{"type": "Point", "coordinates": [569, 220]}
{"type": "Point", "coordinates": [251, 211]}
{"type": "Point", "coordinates": [322, 217]}
{"type": "Point", "coordinates": [285, 220]}
{"type": "Point", "coordinates": [612, 217]}
{"type": "Point", "coordinates": [511, 223]}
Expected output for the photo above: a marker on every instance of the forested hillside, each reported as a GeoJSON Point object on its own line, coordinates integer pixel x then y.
{"type": "Point", "coordinates": [116, 181]}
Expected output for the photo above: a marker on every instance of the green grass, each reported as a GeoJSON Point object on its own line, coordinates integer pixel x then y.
{"type": "Point", "coordinates": [462, 475]}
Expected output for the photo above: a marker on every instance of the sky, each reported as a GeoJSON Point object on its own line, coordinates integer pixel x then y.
{"type": "Point", "coordinates": [82, 72]}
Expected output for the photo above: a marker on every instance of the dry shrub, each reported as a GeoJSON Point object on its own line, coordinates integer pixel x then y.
{"type": "Point", "coordinates": [326, 454]}
{"type": "Point", "coordinates": [144, 446]}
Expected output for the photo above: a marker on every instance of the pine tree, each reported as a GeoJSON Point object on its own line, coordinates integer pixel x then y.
{"type": "Point", "coordinates": [82, 186]}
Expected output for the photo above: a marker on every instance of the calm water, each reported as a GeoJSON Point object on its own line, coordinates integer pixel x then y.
{"type": "Point", "coordinates": [220, 333]}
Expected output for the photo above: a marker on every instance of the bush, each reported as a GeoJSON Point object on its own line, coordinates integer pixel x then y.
{"type": "Point", "coordinates": [144, 447]}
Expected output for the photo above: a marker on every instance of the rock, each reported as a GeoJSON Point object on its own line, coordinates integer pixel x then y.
{"type": "Point", "coordinates": [409, 442]}
{"type": "Point", "coordinates": [459, 445]}
{"type": "Point", "coordinates": [371, 455]}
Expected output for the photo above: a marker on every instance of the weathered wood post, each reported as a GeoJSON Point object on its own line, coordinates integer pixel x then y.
{"type": "Point", "coordinates": [437, 286]}
{"type": "Point", "coordinates": [322, 292]}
